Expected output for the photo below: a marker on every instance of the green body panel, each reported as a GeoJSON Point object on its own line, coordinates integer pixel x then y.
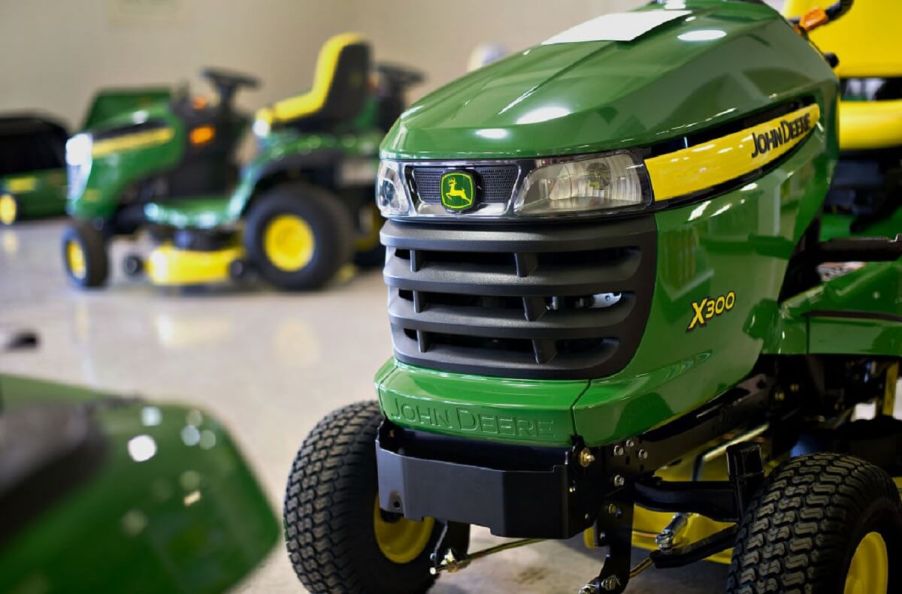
{"type": "Point", "coordinates": [305, 151]}
{"type": "Point", "coordinates": [38, 193]}
{"type": "Point", "coordinates": [739, 241]}
{"type": "Point", "coordinates": [112, 173]}
{"type": "Point", "coordinates": [189, 519]}
{"type": "Point", "coordinates": [203, 212]}
{"type": "Point", "coordinates": [548, 100]}
{"type": "Point", "coordinates": [834, 225]}
{"type": "Point", "coordinates": [111, 103]}
{"type": "Point", "coordinates": [630, 95]}
{"type": "Point", "coordinates": [530, 411]}
{"type": "Point", "coordinates": [302, 150]}
{"type": "Point", "coordinates": [858, 312]}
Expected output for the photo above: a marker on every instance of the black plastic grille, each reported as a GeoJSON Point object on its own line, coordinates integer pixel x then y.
{"type": "Point", "coordinates": [544, 302]}
{"type": "Point", "coordinates": [494, 183]}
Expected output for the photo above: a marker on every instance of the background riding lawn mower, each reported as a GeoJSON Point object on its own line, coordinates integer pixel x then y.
{"type": "Point", "coordinates": [33, 154]}
{"type": "Point", "coordinates": [607, 319]}
{"type": "Point", "coordinates": [866, 196]}
{"type": "Point", "coordinates": [294, 215]}
{"type": "Point", "coordinates": [32, 168]}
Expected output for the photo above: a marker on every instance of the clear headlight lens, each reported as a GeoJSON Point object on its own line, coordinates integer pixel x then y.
{"type": "Point", "coordinates": [390, 195]}
{"type": "Point", "coordinates": [260, 128]}
{"type": "Point", "coordinates": [600, 183]}
{"type": "Point", "coordinates": [78, 164]}
{"type": "Point", "coordinates": [78, 149]}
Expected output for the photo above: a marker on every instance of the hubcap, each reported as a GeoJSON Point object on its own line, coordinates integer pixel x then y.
{"type": "Point", "coordinates": [75, 260]}
{"type": "Point", "coordinates": [401, 540]}
{"type": "Point", "coordinates": [869, 570]}
{"type": "Point", "coordinates": [7, 209]}
{"type": "Point", "coordinates": [289, 242]}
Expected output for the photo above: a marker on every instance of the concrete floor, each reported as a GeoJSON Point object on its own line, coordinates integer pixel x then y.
{"type": "Point", "coordinates": [270, 365]}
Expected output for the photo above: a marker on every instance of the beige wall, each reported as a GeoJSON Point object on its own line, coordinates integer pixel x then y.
{"type": "Point", "coordinates": [438, 36]}
{"type": "Point", "coordinates": [55, 53]}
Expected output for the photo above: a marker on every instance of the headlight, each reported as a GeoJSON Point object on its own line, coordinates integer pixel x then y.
{"type": "Point", "coordinates": [391, 198]}
{"type": "Point", "coordinates": [601, 183]}
{"type": "Point", "coordinates": [78, 149]}
{"type": "Point", "coordinates": [78, 161]}
{"type": "Point", "coordinates": [260, 128]}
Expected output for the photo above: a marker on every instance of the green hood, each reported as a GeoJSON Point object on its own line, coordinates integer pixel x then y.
{"type": "Point", "coordinates": [701, 69]}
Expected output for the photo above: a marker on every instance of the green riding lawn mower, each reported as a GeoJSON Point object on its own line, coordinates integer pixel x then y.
{"type": "Point", "coordinates": [32, 168]}
{"type": "Point", "coordinates": [33, 154]}
{"type": "Point", "coordinates": [298, 212]}
{"type": "Point", "coordinates": [607, 315]}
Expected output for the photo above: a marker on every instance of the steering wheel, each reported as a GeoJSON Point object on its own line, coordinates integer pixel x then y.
{"type": "Point", "coordinates": [227, 82]}
{"type": "Point", "coordinates": [397, 76]}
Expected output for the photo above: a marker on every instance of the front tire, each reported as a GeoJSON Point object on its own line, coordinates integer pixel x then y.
{"type": "Point", "coordinates": [298, 236]}
{"type": "Point", "coordinates": [84, 254]}
{"type": "Point", "coordinates": [338, 540]}
{"type": "Point", "coordinates": [825, 524]}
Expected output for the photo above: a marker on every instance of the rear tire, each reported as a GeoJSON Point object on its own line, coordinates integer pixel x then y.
{"type": "Point", "coordinates": [84, 254]}
{"type": "Point", "coordinates": [298, 236]}
{"type": "Point", "coordinates": [368, 251]}
{"type": "Point", "coordinates": [330, 525]}
{"type": "Point", "coordinates": [820, 520]}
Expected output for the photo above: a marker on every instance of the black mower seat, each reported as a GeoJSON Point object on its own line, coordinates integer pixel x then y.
{"type": "Point", "coordinates": [31, 143]}
{"type": "Point", "coordinates": [340, 88]}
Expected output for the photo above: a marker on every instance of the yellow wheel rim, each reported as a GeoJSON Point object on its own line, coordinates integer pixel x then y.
{"type": "Point", "coordinates": [371, 221]}
{"type": "Point", "coordinates": [8, 210]}
{"type": "Point", "coordinates": [403, 540]}
{"type": "Point", "coordinates": [75, 260]}
{"type": "Point", "coordinates": [869, 570]}
{"type": "Point", "coordinates": [289, 242]}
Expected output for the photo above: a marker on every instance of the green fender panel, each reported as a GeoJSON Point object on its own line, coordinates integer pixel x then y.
{"type": "Point", "coordinates": [859, 312]}
{"type": "Point", "coordinates": [172, 506]}
{"type": "Point", "coordinates": [289, 149]}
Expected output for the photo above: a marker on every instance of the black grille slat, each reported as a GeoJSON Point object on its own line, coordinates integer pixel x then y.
{"type": "Point", "coordinates": [494, 238]}
{"type": "Point", "coordinates": [495, 183]}
{"type": "Point", "coordinates": [550, 301]}
{"type": "Point", "coordinates": [453, 278]}
{"type": "Point", "coordinates": [509, 323]}
{"type": "Point", "coordinates": [509, 363]}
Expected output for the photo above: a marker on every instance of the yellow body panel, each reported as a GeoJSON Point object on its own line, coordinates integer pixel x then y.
{"type": "Point", "coordinates": [312, 101]}
{"type": "Point", "coordinates": [706, 165]}
{"type": "Point", "coordinates": [867, 40]}
{"type": "Point", "coordinates": [168, 265]}
{"type": "Point", "coordinates": [132, 141]}
{"type": "Point", "coordinates": [18, 185]}
{"type": "Point", "coordinates": [870, 125]}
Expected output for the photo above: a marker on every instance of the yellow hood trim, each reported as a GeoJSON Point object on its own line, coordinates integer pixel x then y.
{"type": "Point", "coordinates": [718, 161]}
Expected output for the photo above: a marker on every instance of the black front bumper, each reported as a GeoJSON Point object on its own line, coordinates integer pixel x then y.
{"type": "Point", "coordinates": [515, 491]}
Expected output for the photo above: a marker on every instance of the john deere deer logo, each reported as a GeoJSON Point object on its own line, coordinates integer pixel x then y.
{"type": "Point", "coordinates": [458, 191]}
